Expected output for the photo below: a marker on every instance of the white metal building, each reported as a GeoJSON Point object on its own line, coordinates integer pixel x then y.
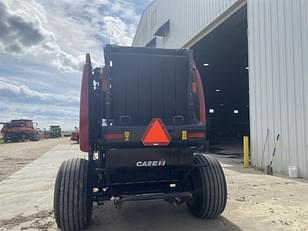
{"type": "Point", "coordinates": [253, 58]}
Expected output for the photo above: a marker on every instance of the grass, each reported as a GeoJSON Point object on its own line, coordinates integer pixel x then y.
{"type": "Point", "coordinates": [1, 141]}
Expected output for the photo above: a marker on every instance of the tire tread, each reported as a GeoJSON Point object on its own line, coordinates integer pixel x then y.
{"type": "Point", "coordinates": [212, 185]}
{"type": "Point", "coordinates": [72, 198]}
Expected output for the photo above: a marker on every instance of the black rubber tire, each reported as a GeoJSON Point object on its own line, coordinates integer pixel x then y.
{"type": "Point", "coordinates": [23, 137]}
{"type": "Point", "coordinates": [35, 137]}
{"type": "Point", "coordinates": [209, 187]}
{"type": "Point", "coordinates": [73, 195]}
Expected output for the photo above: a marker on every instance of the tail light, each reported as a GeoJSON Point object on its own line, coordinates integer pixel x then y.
{"type": "Point", "coordinates": [196, 135]}
{"type": "Point", "coordinates": [113, 136]}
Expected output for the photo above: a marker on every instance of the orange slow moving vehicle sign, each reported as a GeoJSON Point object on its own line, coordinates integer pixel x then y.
{"type": "Point", "coordinates": [156, 134]}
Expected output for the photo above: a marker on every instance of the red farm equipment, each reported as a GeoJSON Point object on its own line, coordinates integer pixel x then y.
{"type": "Point", "coordinates": [19, 130]}
{"type": "Point", "coordinates": [142, 123]}
{"type": "Point", "coordinates": [75, 135]}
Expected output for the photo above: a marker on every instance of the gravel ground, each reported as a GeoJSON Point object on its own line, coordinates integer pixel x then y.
{"type": "Point", "coordinates": [255, 202]}
{"type": "Point", "coordinates": [14, 156]}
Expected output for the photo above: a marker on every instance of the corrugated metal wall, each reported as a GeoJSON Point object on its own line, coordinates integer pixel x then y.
{"type": "Point", "coordinates": [187, 18]}
{"type": "Point", "coordinates": [278, 61]}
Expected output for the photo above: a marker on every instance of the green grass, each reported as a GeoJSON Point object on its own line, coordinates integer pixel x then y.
{"type": "Point", "coordinates": [1, 141]}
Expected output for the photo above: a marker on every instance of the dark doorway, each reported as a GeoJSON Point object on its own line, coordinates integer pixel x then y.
{"type": "Point", "coordinates": [222, 59]}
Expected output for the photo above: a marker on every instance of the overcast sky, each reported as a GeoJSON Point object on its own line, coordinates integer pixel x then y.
{"type": "Point", "coordinates": [42, 49]}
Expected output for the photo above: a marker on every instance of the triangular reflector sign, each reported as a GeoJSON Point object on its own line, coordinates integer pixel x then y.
{"type": "Point", "coordinates": [156, 134]}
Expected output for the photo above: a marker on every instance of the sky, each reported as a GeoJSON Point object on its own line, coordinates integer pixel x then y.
{"type": "Point", "coordinates": [42, 51]}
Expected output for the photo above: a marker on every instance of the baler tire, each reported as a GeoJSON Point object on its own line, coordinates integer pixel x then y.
{"type": "Point", "coordinates": [73, 195]}
{"type": "Point", "coordinates": [56, 198]}
{"type": "Point", "coordinates": [209, 187]}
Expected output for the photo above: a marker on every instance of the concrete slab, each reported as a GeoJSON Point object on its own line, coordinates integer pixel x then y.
{"type": "Point", "coordinates": [31, 189]}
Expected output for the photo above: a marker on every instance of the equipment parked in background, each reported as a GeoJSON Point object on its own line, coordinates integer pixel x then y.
{"type": "Point", "coordinates": [20, 130]}
{"type": "Point", "coordinates": [142, 122]}
{"type": "Point", "coordinates": [55, 131]}
{"type": "Point", "coordinates": [75, 135]}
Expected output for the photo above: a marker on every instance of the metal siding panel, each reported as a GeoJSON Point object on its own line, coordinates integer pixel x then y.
{"type": "Point", "coordinates": [282, 86]}
{"type": "Point", "coordinates": [290, 82]}
{"type": "Point", "coordinates": [298, 90]}
{"type": "Point", "coordinates": [266, 110]}
{"type": "Point", "coordinates": [209, 18]}
{"type": "Point", "coordinates": [262, 78]}
{"type": "Point", "coordinates": [278, 62]}
{"type": "Point", "coordinates": [274, 52]}
{"type": "Point", "coordinates": [258, 87]}
{"type": "Point", "coordinates": [304, 82]}
{"type": "Point", "coordinates": [252, 82]}
{"type": "Point", "coordinates": [185, 21]}
{"type": "Point", "coordinates": [303, 7]}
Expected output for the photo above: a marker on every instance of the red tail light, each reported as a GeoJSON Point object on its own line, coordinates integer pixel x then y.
{"type": "Point", "coordinates": [113, 136]}
{"type": "Point", "coordinates": [196, 135]}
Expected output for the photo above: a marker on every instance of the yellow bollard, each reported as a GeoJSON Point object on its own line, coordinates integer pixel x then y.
{"type": "Point", "coordinates": [246, 151]}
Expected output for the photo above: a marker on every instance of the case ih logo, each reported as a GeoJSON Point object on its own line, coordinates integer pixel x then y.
{"type": "Point", "coordinates": [151, 163]}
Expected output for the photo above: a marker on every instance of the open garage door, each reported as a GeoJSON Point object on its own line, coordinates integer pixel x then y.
{"type": "Point", "coordinates": [222, 58]}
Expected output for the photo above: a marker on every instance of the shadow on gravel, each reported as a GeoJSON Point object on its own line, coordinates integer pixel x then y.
{"type": "Point", "coordinates": [154, 215]}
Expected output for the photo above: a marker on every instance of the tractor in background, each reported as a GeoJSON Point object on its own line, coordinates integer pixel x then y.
{"type": "Point", "coordinates": [55, 131]}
